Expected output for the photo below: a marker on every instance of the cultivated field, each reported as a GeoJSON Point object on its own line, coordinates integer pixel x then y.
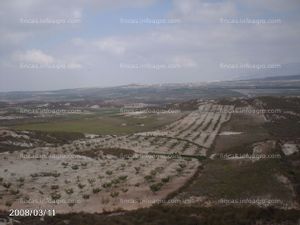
{"type": "Point", "coordinates": [109, 172]}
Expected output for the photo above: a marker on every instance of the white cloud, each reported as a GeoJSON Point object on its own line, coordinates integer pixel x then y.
{"type": "Point", "coordinates": [111, 45]}
{"type": "Point", "coordinates": [73, 65]}
{"type": "Point", "coordinates": [185, 61]}
{"type": "Point", "coordinates": [202, 11]}
{"type": "Point", "coordinates": [271, 5]}
{"type": "Point", "coordinates": [38, 57]}
{"type": "Point", "coordinates": [33, 56]}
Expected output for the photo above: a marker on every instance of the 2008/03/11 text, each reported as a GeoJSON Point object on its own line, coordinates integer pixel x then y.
{"type": "Point", "coordinates": [31, 212]}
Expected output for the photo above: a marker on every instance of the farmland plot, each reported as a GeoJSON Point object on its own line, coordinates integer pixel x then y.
{"type": "Point", "coordinates": [198, 128]}
{"type": "Point", "coordinates": [110, 172]}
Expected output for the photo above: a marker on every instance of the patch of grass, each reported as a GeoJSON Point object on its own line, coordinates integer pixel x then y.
{"type": "Point", "coordinates": [103, 124]}
{"type": "Point", "coordinates": [236, 179]}
{"type": "Point", "coordinates": [252, 128]}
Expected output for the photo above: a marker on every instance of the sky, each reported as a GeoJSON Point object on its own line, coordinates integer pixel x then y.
{"type": "Point", "coordinates": [59, 44]}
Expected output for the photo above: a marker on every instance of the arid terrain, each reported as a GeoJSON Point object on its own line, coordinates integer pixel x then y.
{"type": "Point", "coordinates": [236, 153]}
{"type": "Point", "coordinates": [110, 172]}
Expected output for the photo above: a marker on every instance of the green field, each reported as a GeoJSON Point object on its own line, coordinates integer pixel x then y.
{"type": "Point", "coordinates": [104, 124]}
{"type": "Point", "coordinates": [252, 128]}
{"type": "Point", "coordinates": [241, 180]}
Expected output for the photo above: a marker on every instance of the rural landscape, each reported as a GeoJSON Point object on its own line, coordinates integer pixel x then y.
{"type": "Point", "coordinates": [149, 112]}
{"type": "Point", "coordinates": [114, 158]}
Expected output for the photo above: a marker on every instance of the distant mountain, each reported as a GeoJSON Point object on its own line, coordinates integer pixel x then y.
{"type": "Point", "coordinates": [127, 93]}
{"type": "Point", "coordinates": [268, 86]}
{"type": "Point", "coordinates": [288, 82]}
{"type": "Point", "coordinates": [170, 92]}
{"type": "Point", "coordinates": [290, 68]}
{"type": "Point", "coordinates": [281, 78]}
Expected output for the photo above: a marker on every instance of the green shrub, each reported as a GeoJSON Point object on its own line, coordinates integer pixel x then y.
{"type": "Point", "coordinates": [86, 196]}
{"type": "Point", "coordinates": [108, 172]}
{"type": "Point", "coordinates": [165, 179]}
{"type": "Point", "coordinates": [96, 190]}
{"type": "Point", "coordinates": [69, 191]}
{"type": "Point", "coordinates": [114, 194]}
{"type": "Point", "coordinates": [156, 187]}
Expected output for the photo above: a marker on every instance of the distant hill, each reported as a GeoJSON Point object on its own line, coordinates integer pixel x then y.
{"type": "Point", "coordinates": [290, 68]}
{"type": "Point", "coordinates": [292, 81]}
{"type": "Point", "coordinates": [128, 93]}
{"type": "Point", "coordinates": [170, 92]}
{"type": "Point", "coordinates": [287, 78]}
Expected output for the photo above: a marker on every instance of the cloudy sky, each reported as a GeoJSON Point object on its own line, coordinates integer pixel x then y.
{"type": "Point", "coordinates": [56, 44]}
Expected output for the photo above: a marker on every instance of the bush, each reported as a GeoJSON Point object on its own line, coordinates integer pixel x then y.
{"type": "Point", "coordinates": [108, 172]}
{"type": "Point", "coordinates": [21, 179]}
{"type": "Point", "coordinates": [91, 181]}
{"type": "Point", "coordinates": [55, 195]}
{"type": "Point", "coordinates": [156, 187]}
{"type": "Point", "coordinates": [123, 178]}
{"type": "Point", "coordinates": [6, 184]}
{"type": "Point", "coordinates": [80, 185]}
{"type": "Point", "coordinates": [114, 194]}
{"type": "Point", "coordinates": [69, 191]}
{"type": "Point", "coordinates": [86, 196]}
{"type": "Point", "coordinates": [14, 192]}
{"type": "Point", "coordinates": [8, 204]}
{"type": "Point", "coordinates": [65, 164]}
{"type": "Point", "coordinates": [137, 169]}
{"type": "Point", "coordinates": [149, 178]}
{"type": "Point", "coordinates": [96, 190]}
{"type": "Point", "coordinates": [75, 167]}
{"type": "Point", "coordinates": [54, 187]}
{"type": "Point", "coordinates": [106, 185]}
{"type": "Point", "coordinates": [165, 179]}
